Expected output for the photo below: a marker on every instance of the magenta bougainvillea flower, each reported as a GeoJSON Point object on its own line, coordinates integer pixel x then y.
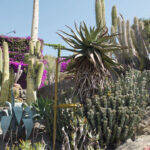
{"type": "Point", "coordinates": [63, 64]}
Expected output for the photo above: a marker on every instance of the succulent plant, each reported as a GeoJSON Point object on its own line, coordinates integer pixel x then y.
{"type": "Point", "coordinates": [137, 54]}
{"type": "Point", "coordinates": [35, 72]}
{"type": "Point", "coordinates": [80, 137]}
{"type": "Point", "coordinates": [100, 13]}
{"type": "Point", "coordinates": [117, 110]}
{"type": "Point", "coordinates": [17, 117]}
{"type": "Point", "coordinates": [90, 63]}
{"type": "Point", "coordinates": [27, 145]}
{"type": "Point", "coordinates": [4, 73]}
{"type": "Point", "coordinates": [44, 107]}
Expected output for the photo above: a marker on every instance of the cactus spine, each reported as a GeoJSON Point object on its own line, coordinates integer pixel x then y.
{"type": "Point", "coordinates": [100, 13]}
{"type": "Point", "coordinates": [35, 72]}
{"type": "Point", "coordinates": [4, 71]}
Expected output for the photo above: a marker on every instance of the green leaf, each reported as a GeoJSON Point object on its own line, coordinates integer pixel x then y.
{"type": "Point", "coordinates": [10, 108]}
{"type": "Point", "coordinates": [18, 113]}
{"type": "Point", "coordinates": [28, 112]}
{"type": "Point", "coordinates": [5, 124]}
{"type": "Point", "coordinates": [87, 34]}
{"type": "Point", "coordinates": [28, 123]}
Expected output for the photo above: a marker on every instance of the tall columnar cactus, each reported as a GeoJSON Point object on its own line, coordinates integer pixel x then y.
{"type": "Point", "coordinates": [114, 18]}
{"type": "Point", "coordinates": [1, 66]}
{"type": "Point", "coordinates": [35, 22]}
{"type": "Point", "coordinates": [35, 72]}
{"type": "Point", "coordinates": [140, 45]}
{"type": "Point", "coordinates": [4, 73]}
{"type": "Point", "coordinates": [100, 13]}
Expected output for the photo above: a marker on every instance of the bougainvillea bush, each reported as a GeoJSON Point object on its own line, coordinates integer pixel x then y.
{"type": "Point", "coordinates": [64, 64]}
{"type": "Point", "coordinates": [18, 48]}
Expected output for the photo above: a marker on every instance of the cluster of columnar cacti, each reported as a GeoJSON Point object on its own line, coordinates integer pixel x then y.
{"type": "Point", "coordinates": [4, 73]}
{"type": "Point", "coordinates": [35, 72]}
{"type": "Point", "coordinates": [137, 54]}
{"type": "Point", "coordinates": [116, 111]}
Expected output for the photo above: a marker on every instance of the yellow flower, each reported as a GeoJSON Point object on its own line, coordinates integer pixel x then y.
{"type": "Point", "coordinates": [109, 93]}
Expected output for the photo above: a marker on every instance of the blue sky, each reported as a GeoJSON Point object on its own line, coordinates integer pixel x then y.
{"type": "Point", "coordinates": [55, 14]}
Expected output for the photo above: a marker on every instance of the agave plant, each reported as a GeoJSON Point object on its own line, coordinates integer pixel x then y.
{"type": "Point", "coordinates": [90, 61]}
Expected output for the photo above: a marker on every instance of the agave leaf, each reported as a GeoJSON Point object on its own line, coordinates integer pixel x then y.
{"type": "Point", "coordinates": [28, 112]}
{"type": "Point", "coordinates": [28, 123]}
{"type": "Point", "coordinates": [35, 116]}
{"type": "Point", "coordinates": [7, 113]}
{"type": "Point", "coordinates": [10, 107]}
{"type": "Point", "coordinates": [18, 113]}
{"type": "Point", "coordinates": [18, 104]}
{"type": "Point", "coordinates": [5, 124]}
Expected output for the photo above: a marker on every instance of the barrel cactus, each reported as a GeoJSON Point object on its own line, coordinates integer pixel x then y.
{"type": "Point", "coordinates": [116, 111]}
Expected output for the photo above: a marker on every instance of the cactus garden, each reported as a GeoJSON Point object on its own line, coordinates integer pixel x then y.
{"type": "Point", "coordinates": [93, 94]}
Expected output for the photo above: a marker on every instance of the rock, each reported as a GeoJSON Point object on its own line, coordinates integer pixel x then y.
{"type": "Point", "coordinates": [140, 143]}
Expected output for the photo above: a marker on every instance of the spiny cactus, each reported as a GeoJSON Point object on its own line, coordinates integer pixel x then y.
{"type": "Point", "coordinates": [100, 13]}
{"type": "Point", "coordinates": [80, 137]}
{"type": "Point", "coordinates": [35, 72]}
{"type": "Point", "coordinates": [137, 55]}
{"type": "Point", "coordinates": [1, 67]}
{"type": "Point", "coordinates": [117, 110]}
{"type": "Point", "coordinates": [114, 18]}
{"type": "Point", "coordinates": [4, 73]}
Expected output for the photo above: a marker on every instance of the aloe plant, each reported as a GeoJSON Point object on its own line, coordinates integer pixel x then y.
{"type": "Point", "coordinates": [90, 63]}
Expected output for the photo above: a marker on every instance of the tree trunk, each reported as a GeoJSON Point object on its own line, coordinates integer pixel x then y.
{"type": "Point", "coordinates": [35, 22]}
